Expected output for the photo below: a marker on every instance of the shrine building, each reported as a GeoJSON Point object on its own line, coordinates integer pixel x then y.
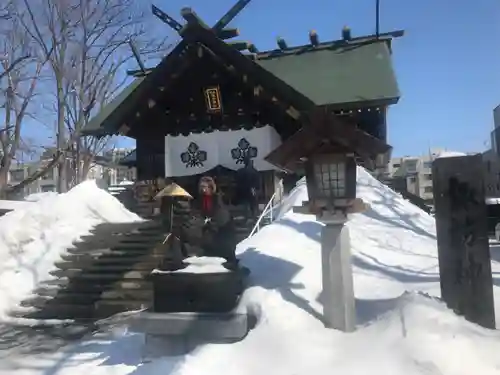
{"type": "Point", "coordinates": [211, 102]}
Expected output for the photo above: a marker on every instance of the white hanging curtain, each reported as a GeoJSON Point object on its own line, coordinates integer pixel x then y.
{"type": "Point", "coordinates": [199, 153]}
{"type": "Point", "coordinates": [190, 155]}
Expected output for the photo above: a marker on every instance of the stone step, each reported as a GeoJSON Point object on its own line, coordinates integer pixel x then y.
{"type": "Point", "coordinates": [86, 285]}
{"type": "Point", "coordinates": [45, 295]}
{"type": "Point", "coordinates": [107, 277]}
{"type": "Point", "coordinates": [111, 256]}
{"type": "Point", "coordinates": [104, 270]}
{"type": "Point", "coordinates": [127, 227]}
{"type": "Point", "coordinates": [123, 263]}
{"type": "Point", "coordinates": [47, 291]}
{"type": "Point", "coordinates": [96, 288]}
{"type": "Point", "coordinates": [128, 294]}
{"type": "Point", "coordinates": [111, 243]}
{"type": "Point", "coordinates": [106, 308]}
{"type": "Point", "coordinates": [118, 247]}
{"type": "Point", "coordinates": [78, 299]}
{"type": "Point", "coordinates": [57, 311]}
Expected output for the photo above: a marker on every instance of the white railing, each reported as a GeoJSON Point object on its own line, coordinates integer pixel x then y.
{"type": "Point", "coordinates": [268, 210]}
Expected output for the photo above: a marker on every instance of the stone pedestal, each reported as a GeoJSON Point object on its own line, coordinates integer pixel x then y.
{"type": "Point", "coordinates": [338, 291]}
{"type": "Point", "coordinates": [173, 334]}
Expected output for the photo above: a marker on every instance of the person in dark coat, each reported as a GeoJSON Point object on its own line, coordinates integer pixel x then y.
{"type": "Point", "coordinates": [212, 222]}
{"type": "Point", "coordinates": [247, 184]}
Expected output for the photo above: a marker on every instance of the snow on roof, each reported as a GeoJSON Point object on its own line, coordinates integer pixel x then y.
{"type": "Point", "coordinates": [449, 154]}
{"type": "Point", "coordinates": [34, 235]}
{"type": "Point", "coordinates": [402, 327]}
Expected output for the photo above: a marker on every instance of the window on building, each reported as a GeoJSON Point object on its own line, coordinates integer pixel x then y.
{"type": "Point", "coordinates": [428, 189]}
{"type": "Point", "coordinates": [47, 188]}
{"type": "Point", "coordinates": [428, 164]}
{"type": "Point", "coordinates": [428, 177]}
{"type": "Point", "coordinates": [396, 165]}
{"type": "Point", "coordinates": [17, 174]}
{"type": "Point", "coordinates": [413, 180]}
{"type": "Point", "coordinates": [411, 166]}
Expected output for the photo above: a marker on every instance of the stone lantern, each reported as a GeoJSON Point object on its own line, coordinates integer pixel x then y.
{"type": "Point", "coordinates": [328, 159]}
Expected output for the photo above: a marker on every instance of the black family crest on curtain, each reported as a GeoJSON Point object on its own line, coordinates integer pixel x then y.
{"type": "Point", "coordinates": [193, 157]}
{"type": "Point", "coordinates": [244, 150]}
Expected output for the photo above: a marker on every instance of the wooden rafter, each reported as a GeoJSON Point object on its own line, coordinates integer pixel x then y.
{"type": "Point", "coordinates": [229, 16]}
{"type": "Point", "coordinates": [164, 17]}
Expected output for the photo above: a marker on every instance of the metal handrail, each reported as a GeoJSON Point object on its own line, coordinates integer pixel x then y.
{"type": "Point", "coordinates": [269, 205]}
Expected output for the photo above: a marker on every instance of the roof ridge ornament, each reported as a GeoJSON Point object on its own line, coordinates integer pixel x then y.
{"type": "Point", "coordinates": [192, 18]}
{"type": "Point", "coordinates": [219, 28]}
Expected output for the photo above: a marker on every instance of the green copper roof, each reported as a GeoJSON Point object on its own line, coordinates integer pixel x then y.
{"type": "Point", "coordinates": [357, 73]}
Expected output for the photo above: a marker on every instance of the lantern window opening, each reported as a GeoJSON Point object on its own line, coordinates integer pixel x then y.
{"type": "Point", "coordinates": [331, 179]}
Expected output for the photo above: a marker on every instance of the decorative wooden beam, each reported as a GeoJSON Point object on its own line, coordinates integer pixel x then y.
{"type": "Point", "coordinates": [229, 16]}
{"type": "Point", "coordinates": [137, 56]}
{"type": "Point", "coordinates": [191, 17]}
{"type": "Point", "coordinates": [281, 43]}
{"type": "Point", "coordinates": [139, 73]}
{"type": "Point", "coordinates": [346, 33]}
{"type": "Point", "coordinates": [164, 17]}
{"type": "Point", "coordinates": [240, 46]}
{"type": "Point", "coordinates": [228, 34]}
{"type": "Point", "coordinates": [252, 48]}
{"type": "Point", "coordinates": [387, 37]}
{"type": "Point", "coordinates": [313, 38]}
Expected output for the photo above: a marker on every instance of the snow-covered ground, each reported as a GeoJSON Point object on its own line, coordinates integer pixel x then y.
{"type": "Point", "coordinates": [32, 238]}
{"type": "Point", "coordinates": [400, 329]}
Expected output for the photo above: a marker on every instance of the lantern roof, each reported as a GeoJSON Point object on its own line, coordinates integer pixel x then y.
{"type": "Point", "coordinates": [327, 133]}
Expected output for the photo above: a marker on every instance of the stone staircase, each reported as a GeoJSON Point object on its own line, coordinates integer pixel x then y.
{"type": "Point", "coordinates": [107, 272]}
{"type": "Point", "coordinates": [103, 274]}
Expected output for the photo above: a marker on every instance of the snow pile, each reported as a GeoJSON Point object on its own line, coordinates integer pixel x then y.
{"type": "Point", "coordinates": [400, 330]}
{"type": "Point", "coordinates": [35, 197]}
{"type": "Point", "coordinates": [32, 239]}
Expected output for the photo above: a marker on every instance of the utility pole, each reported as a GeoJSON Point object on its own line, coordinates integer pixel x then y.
{"type": "Point", "coordinates": [377, 18]}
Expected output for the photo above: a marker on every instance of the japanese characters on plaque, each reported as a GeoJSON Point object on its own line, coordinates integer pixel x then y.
{"type": "Point", "coordinates": [213, 99]}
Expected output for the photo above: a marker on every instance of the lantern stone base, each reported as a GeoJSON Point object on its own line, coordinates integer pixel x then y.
{"type": "Point", "coordinates": [172, 334]}
{"type": "Point", "coordinates": [332, 212]}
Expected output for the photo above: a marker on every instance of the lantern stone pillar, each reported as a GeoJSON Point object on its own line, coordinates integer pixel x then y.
{"type": "Point", "coordinates": [339, 308]}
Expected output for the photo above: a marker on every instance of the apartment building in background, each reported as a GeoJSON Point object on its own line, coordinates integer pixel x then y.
{"type": "Point", "coordinates": [104, 168]}
{"type": "Point", "coordinates": [119, 173]}
{"type": "Point", "coordinates": [412, 174]}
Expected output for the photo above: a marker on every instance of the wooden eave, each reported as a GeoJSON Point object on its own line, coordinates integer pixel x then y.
{"type": "Point", "coordinates": [165, 72]}
{"type": "Point", "coordinates": [322, 136]}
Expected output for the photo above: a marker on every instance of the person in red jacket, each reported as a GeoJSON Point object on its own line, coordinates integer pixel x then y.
{"type": "Point", "coordinates": [218, 235]}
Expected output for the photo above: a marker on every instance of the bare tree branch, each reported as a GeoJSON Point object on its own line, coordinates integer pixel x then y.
{"type": "Point", "coordinates": [18, 83]}
{"type": "Point", "coordinates": [85, 45]}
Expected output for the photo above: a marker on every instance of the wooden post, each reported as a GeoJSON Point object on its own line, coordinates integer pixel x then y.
{"type": "Point", "coordinates": [463, 247]}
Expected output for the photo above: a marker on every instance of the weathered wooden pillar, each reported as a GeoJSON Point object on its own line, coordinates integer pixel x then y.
{"type": "Point", "coordinates": [463, 247]}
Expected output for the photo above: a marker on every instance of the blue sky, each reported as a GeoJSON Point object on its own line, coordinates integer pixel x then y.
{"type": "Point", "coordinates": [447, 64]}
